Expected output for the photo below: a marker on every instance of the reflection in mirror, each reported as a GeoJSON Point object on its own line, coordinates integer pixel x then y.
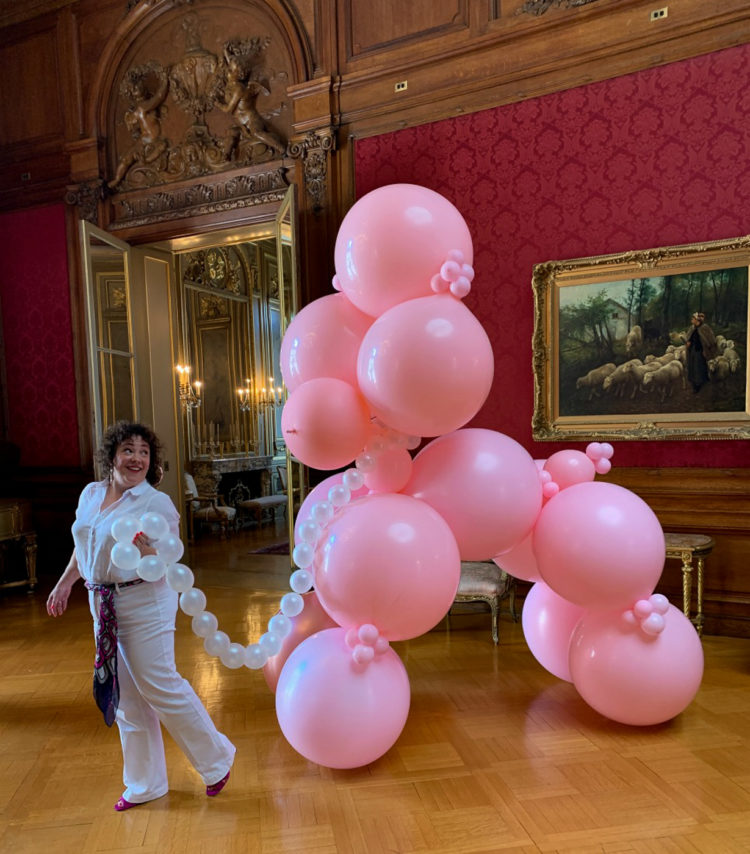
{"type": "Point", "coordinates": [108, 321]}
{"type": "Point", "coordinates": [231, 386]}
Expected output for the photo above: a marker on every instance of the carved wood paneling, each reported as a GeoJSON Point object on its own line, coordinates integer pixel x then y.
{"type": "Point", "coordinates": [379, 25]}
{"type": "Point", "coordinates": [30, 97]}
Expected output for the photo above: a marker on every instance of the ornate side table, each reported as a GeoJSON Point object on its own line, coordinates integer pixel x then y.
{"type": "Point", "coordinates": [15, 524]}
{"type": "Point", "coordinates": [688, 548]}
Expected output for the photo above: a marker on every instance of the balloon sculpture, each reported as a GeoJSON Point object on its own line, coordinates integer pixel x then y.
{"type": "Point", "coordinates": [395, 356]}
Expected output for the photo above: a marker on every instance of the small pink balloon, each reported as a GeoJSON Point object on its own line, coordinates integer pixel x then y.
{"type": "Point", "coordinates": [484, 484]}
{"type": "Point", "coordinates": [426, 366]}
{"type": "Point", "coordinates": [393, 241]}
{"type": "Point", "coordinates": [320, 493]}
{"type": "Point", "coordinates": [388, 560]}
{"type": "Point", "coordinates": [392, 471]}
{"type": "Point", "coordinates": [312, 619]}
{"type": "Point", "coordinates": [568, 467]}
{"type": "Point", "coordinates": [599, 545]}
{"type": "Point", "coordinates": [325, 423]}
{"type": "Point", "coordinates": [520, 561]}
{"type": "Point", "coordinates": [323, 341]}
{"type": "Point", "coordinates": [633, 677]}
{"type": "Point", "coordinates": [335, 712]}
{"type": "Point", "coordinates": [548, 621]}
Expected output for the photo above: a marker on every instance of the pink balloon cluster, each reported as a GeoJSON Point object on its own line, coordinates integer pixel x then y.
{"type": "Point", "coordinates": [596, 554]}
{"type": "Point", "coordinates": [392, 357]}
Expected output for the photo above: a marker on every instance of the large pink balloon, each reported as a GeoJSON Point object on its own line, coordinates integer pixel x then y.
{"type": "Point", "coordinates": [320, 493]}
{"type": "Point", "coordinates": [633, 677]}
{"type": "Point", "coordinates": [484, 484]}
{"type": "Point", "coordinates": [388, 560]}
{"type": "Point", "coordinates": [323, 341]}
{"type": "Point", "coordinates": [599, 545]}
{"type": "Point", "coordinates": [336, 713]}
{"type": "Point", "coordinates": [548, 622]}
{"type": "Point", "coordinates": [312, 619]}
{"type": "Point", "coordinates": [426, 366]}
{"type": "Point", "coordinates": [393, 241]}
{"type": "Point", "coordinates": [325, 423]}
{"type": "Point", "coordinates": [520, 561]}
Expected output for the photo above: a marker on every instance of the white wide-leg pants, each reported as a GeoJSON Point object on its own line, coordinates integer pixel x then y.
{"type": "Point", "coordinates": [152, 691]}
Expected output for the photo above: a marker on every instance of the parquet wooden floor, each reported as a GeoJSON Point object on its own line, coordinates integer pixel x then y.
{"type": "Point", "coordinates": [497, 755]}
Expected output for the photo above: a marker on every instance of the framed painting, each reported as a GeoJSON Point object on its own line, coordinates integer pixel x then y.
{"type": "Point", "coordinates": [643, 345]}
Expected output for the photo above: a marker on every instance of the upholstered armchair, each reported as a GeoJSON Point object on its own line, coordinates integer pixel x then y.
{"type": "Point", "coordinates": [206, 509]}
{"type": "Point", "coordinates": [484, 581]}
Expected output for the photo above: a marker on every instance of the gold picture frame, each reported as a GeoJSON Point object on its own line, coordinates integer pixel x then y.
{"type": "Point", "coordinates": [594, 315]}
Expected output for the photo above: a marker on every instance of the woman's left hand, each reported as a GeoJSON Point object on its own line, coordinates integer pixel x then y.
{"type": "Point", "coordinates": [143, 544]}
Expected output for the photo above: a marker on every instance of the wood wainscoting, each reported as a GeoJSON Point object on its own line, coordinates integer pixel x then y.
{"type": "Point", "coordinates": [708, 501]}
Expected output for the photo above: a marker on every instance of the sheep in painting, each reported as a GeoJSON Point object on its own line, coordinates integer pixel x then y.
{"type": "Point", "coordinates": [718, 369]}
{"type": "Point", "coordinates": [733, 357]}
{"type": "Point", "coordinates": [634, 341]}
{"type": "Point", "coordinates": [663, 379]}
{"type": "Point", "coordinates": [637, 374]}
{"type": "Point", "coordinates": [594, 379]}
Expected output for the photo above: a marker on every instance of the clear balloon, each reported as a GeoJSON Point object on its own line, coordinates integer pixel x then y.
{"type": "Point", "coordinates": [393, 241]}
{"type": "Point", "coordinates": [426, 366]}
{"type": "Point", "coordinates": [255, 657]}
{"type": "Point", "coordinates": [125, 528]}
{"type": "Point", "coordinates": [548, 622]}
{"type": "Point", "coordinates": [303, 555]}
{"type": "Point", "coordinates": [280, 625]}
{"type": "Point", "coordinates": [325, 423]}
{"type": "Point", "coordinates": [170, 548]}
{"type": "Point", "coordinates": [484, 484]}
{"type": "Point", "coordinates": [323, 340]}
{"type": "Point", "coordinates": [234, 656]}
{"type": "Point", "coordinates": [270, 643]}
{"type": "Point", "coordinates": [151, 568]}
{"type": "Point", "coordinates": [154, 525]}
{"type": "Point", "coordinates": [204, 624]}
{"type": "Point", "coordinates": [599, 545]}
{"type": "Point", "coordinates": [125, 556]}
{"type": "Point", "coordinates": [291, 604]}
{"type": "Point", "coordinates": [310, 620]}
{"type": "Point", "coordinates": [300, 580]}
{"type": "Point", "coordinates": [389, 560]}
{"type": "Point", "coordinates": [193, 601]}
{"type": "Point", "coordinates": [180, 577]}
{"type": "Point", "coordinates": [634, 677]}
{"type": "Point", "coordinates": [217, 643]}
{"type": "Point", "coordinates": [336, 713]}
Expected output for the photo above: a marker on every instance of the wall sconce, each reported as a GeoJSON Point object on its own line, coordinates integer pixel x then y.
{"type": "Point", "coordinates": [189, 393]}
{"type": "Point", "coordinates": [270, 396]}
{"type": "Point", "coordinates": [246, 396]}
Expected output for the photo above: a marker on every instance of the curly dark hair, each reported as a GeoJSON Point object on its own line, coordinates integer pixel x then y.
{"type": "Point", "coordinates": [117, 434]}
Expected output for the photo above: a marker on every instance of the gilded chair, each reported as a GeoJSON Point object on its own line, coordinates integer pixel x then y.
{"type": "Point", "coordinates": [484, 581]}
{"type": "Point", "coordinates": [206, 510]}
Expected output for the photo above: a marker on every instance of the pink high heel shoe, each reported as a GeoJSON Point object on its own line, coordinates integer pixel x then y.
{"type": "Point", "coordinates": [123, 805]}
{"type": "Point", "coordinates": [215, 788]}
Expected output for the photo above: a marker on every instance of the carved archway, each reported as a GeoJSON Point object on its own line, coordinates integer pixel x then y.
{"type": "Point", "coordinates": [193, 118]}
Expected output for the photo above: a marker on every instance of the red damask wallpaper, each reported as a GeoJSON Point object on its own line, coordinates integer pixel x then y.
{"type": "Point", "coordinates": [35, 302]}
{"type": "Point", "coordinates": [651, 159]}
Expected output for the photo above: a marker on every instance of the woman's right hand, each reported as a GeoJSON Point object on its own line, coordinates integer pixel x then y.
{"type": "Point", "coordinates": [57, 601]}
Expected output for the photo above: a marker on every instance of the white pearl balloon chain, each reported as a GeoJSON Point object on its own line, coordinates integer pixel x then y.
{"type": "Point", "coordinates": [169, 549]}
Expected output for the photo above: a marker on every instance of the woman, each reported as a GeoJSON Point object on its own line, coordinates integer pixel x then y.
{"type": "Point", "coordinates": [701, 348]}
{"type": "Point", "coordinates": [150, 688]}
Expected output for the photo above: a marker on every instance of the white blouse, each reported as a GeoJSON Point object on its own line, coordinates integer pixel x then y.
{"type": "Point", "coordinates": [92, 529]}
